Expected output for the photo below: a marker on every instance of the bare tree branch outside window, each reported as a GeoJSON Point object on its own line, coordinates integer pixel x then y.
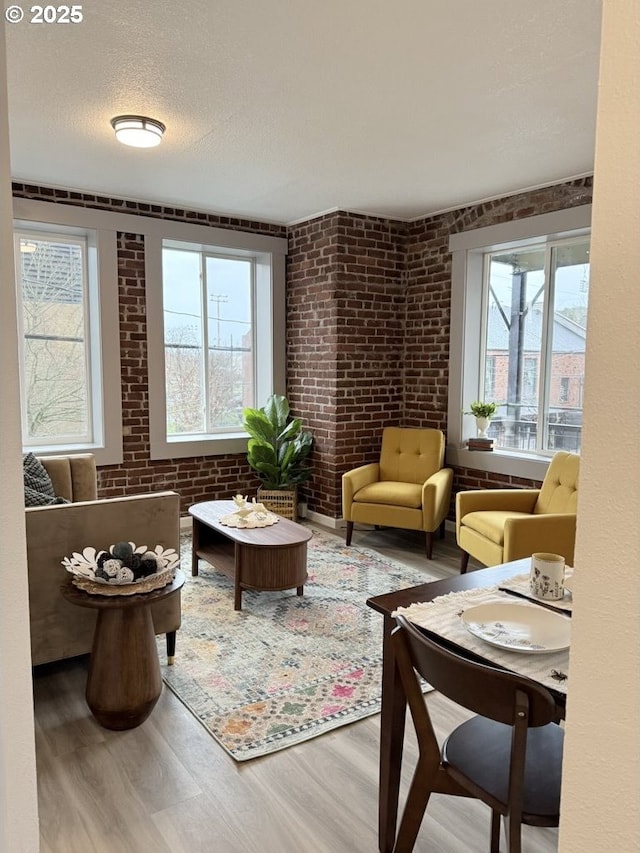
{"type": "Point", "coordinates": [54, 365]}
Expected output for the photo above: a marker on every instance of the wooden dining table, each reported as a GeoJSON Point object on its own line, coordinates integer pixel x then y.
{"type": "Point", "coordinates": [393, 710]}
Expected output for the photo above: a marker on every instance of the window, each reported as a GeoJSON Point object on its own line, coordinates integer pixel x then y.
{"type": "Point", "coordinates": [518, 337]}
{"type": "Point", "coordinates": [66, 290]}
{"type": "Point", "coordinates": [535, 323]}
{"type": "Point", "coordinates": [55, 369]}
{"type": "Point", "coordinates": [208, 340]}
{"type": "Point", "coordinates": [224, 337]}
{"type": "Point", "coordinates": [216, 335]}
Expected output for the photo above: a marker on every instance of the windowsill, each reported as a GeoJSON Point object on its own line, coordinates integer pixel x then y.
{"type": "Point", "coordinates": [103, 455]}
{"type": "Point", "coordinates": [530, 467]}
{"type": "Point", "coordinates": [182, 447]}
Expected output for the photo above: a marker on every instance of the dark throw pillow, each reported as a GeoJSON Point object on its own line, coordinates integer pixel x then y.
{"type": "Point", "coordinates": [38, 488]}
{"type": "Point", "coordinates": [34, 498]}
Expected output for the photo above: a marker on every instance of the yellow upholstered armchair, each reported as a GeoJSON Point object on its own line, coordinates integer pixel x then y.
{"type": "Point", "coordinates": [499, 525]}
{"type": "Point", "coordinates": [407, 488]}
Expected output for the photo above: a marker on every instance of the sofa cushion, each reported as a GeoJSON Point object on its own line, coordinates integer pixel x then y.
{"type": "Point", "coordinates": [38, 488]}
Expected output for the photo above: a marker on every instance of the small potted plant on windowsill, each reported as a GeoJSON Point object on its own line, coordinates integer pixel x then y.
{"type": "Point", "coordinates": [482, 412]}
{"type": "Point", "coordinates": [277, 450]}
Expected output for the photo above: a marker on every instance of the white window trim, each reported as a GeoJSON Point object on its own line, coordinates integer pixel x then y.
{"type": "Point", "coordinates": [270, 361]}
{"type": "Point", "coordinates": [468, 249]}
{"type": "Point", "coordinates": [106, 399]}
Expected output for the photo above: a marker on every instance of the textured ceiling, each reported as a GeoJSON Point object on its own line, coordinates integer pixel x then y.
{"type": "Point", "coordinates": [282, 109]}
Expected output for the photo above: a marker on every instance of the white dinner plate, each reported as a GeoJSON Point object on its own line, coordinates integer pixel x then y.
{"type": "Point", "coordinates": [519, 627]}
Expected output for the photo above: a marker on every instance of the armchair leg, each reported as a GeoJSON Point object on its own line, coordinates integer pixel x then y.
{"type": "Point", "coordinates": [349, 531]}
{"type": "Point", "coordinates": [464, 562]}
{"type": "Point", "coordinates": [171, 647]}
{"type": "Point", "coordinates": [429, 544]}
{"type": "Point", "coordinates": [442, 530]}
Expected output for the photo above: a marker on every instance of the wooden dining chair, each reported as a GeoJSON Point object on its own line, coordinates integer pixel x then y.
{"type": "Point", "coordinates": [509, 756]}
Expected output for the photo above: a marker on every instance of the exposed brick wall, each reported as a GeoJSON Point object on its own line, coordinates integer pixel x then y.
{"type": "Point", "coordinates": [368, 320]}
{"type": "Point", "coordinates": [428, 312]}
{"type": "Point", "coordinates": [344, 341]}
{"type": "Point", "coordinates": [312, 345]}
{"type": "Point", "coordinates": [157, 211]}
{"type": "Point", "coordinates": [370, 339]}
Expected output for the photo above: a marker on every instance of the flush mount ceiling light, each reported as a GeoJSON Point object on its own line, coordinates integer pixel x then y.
{"type": "Point", "coordinates": [139, 131]}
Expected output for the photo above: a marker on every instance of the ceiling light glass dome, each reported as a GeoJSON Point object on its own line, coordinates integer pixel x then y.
{"type": "Point", "coordinates": [138, 131]}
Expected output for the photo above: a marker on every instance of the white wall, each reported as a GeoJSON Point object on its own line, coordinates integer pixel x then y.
{"type": "Point", "coordinates": [601, 799]}
{"type": "Point", "coordinates": [18, 796]}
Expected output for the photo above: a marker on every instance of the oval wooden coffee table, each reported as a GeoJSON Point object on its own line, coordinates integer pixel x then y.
{"type": "Point", "coordinates": [124, 682]}
{"type": "Point", "coordinates": [263, 558]}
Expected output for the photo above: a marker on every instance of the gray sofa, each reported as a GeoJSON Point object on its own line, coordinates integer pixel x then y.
{"type": "Point", "coordinates": [60, 629]}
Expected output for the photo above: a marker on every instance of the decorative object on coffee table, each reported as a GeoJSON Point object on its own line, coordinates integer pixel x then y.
{"type": "Point", "coordinates": [124, 682]}
{"type": "Point", "coordinates": [271, 558]}
{"type": "Point", "coordinates": [123, 569]}
{"type": "Point", "coordinates": [248, 514]}
{"type": "Point", "coordinates": [277, 450]}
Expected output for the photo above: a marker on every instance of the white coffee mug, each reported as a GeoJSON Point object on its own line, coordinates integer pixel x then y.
{"type": "Point", "coordinates": [546, 578]}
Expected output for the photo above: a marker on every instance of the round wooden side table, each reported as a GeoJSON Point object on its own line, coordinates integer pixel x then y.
{"type": "Point", "coordinates": [124, 682]}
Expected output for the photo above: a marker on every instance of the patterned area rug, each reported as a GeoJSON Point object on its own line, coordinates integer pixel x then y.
{"type": "Point", "coordinates": [284, 669]}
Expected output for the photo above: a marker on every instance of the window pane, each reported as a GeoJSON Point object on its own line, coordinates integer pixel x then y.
{"type": "Point", "coordinates": [54, 377]}
{"type": "Point", "coordinates": [515, 311]}
{"type": "Point", "coordinates": [570, 268]}
{"type": "Point", "coordinates": [183, 341]}
{"type": "Point", "coordinates": [230, 340]}
{"type": "Point", "coordinates": [208, 338]}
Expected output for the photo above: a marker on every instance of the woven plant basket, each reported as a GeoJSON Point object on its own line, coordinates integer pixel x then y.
{"type": "Point", "coordinates": [281, 501]}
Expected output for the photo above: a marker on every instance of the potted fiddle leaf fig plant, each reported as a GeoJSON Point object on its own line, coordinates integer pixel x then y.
{"type": "Point", "coordinates": [482, 412]}
{"type": "Point", "coordinates": [277, 451]}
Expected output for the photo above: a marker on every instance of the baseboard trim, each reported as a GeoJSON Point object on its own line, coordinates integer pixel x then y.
{"type": "Point", "coordinates": [324, 520]}
{"type": "Point", "coordinates": [186, 522]}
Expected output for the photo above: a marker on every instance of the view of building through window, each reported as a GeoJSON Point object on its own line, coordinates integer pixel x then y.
{"type": "Point", "coordinates": [54, 358]}
{"type": "Point", "coordinates": [535, 339]}
{"type": "Point", "coordinates": [208, 340]}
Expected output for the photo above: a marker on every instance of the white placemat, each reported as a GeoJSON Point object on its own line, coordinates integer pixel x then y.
{"type": "Point", "coordinates": [443, 617]}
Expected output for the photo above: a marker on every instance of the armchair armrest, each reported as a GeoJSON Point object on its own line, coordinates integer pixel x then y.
{"type": "Point", "coordinates": [553, 532]}
{"type": "Point", "coordinates": [436, 496]}
{"type": "Point", "coordinates": [355, 480]}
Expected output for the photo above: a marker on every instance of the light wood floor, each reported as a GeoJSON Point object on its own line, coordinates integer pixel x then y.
{"type": "Point", "coordinates": [167, 787]}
